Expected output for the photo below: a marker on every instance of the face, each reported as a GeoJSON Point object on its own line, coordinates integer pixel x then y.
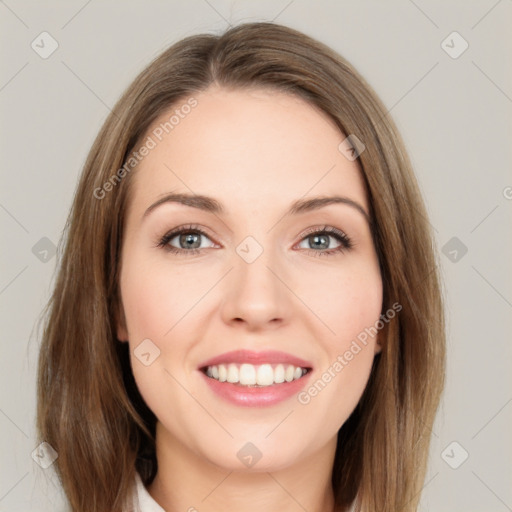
{"type": "Point", "coordinates": [243, 313]}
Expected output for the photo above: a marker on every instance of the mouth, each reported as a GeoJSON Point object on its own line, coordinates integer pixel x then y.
{"type": "Point", "coordinates": [259, 376]}
{"type": "Point", "coordinates": [247, 378]}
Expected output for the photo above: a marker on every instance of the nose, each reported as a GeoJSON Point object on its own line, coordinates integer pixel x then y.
{"type": "Point", "coordinates": [255, 294]}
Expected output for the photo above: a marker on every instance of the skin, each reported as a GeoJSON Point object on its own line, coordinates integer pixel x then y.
{"type": "Point", "coordinates": [255, 152]}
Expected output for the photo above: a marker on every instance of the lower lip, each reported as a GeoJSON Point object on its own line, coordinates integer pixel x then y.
{"type": "Point", "coordinates": [256, 396]}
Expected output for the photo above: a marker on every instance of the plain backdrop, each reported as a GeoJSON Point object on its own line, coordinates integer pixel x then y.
{"type": "Point", "coordinates": [452, 104]}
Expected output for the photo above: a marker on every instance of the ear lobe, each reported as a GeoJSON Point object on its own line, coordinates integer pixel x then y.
{"type": "Point", "coordinates": [381, 339]}
{"type": "Point", "coordinates": [122, 335]}
{"type": "Point", "coordinates": [121, 330]}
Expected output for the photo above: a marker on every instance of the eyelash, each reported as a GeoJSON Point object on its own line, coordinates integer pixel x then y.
{"type": "Point", "coordinates": [345, 242]}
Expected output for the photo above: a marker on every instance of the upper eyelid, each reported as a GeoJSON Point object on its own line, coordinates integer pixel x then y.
{"type": "Point", "coordinates": [184, 229]}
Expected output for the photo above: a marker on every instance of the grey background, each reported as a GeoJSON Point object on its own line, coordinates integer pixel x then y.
{"type": "Point", "coordinates": [455, 117]}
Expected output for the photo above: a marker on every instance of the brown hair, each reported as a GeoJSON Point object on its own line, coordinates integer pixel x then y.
{"type": "Point", "coordinates": [89, 408]}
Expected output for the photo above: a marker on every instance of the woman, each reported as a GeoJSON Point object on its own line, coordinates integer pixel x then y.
{"type": "Point", "coordinates": [248, 312]}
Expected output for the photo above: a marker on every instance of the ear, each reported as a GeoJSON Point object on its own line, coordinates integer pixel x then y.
{"type": "Point", "coordinates": [382, 336]}
{"type": "Point", "coordinates": [121, 330]}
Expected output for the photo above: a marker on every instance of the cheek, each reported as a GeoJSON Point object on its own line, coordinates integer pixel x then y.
{"type": "Point", "coordinates": [157, 296]}
{"type": "Point", "coordinates": [346, 300]}
{"type": "Point", "coordinates": [349, 304]}
{"type": "Point", "coordinates": [160, 302]}
{"type": "Point", "coordinates": [156, 299]}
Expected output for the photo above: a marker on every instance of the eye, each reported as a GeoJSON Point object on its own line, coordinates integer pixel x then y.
{"type": "Point", "coordinates": [318, 241]}
{"type": "Point", "coordinates": [184, 240]}
{"type": "Point", "coordinates": [188, 240]}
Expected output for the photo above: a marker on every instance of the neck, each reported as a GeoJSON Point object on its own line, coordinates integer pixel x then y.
{"type": "Point", "coordinates": [187, 482]}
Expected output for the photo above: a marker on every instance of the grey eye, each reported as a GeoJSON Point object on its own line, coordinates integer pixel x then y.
{"type": "Point", "coordinates": [189, 240]}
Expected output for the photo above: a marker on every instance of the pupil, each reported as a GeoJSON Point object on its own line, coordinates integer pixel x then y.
{"type": "Point", "coordinates": [321, 245]}
{"type": "Point", "coordinates": [188, 240]}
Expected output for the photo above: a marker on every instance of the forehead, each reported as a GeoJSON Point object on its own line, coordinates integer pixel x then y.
{"type": "Point", "coordinates": [258, 148]}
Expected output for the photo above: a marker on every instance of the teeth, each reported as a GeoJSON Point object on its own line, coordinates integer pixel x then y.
{"type": "Point", "coordinates": [251, 375]}
{"type": "Point", "coordinates": [223, 373]}
{"type": "Point", "coordinates": [265, 376]}
{"type": "Point", "coordinates": [289, 373]}
{"type": "Point", "coordinates": [233, 373]}
{"type": "Point", "coordinates": [247, 375]}
{"type": "Point", "coordinates": [279, 374]}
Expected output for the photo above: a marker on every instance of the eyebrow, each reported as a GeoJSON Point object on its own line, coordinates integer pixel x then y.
{"type": "Point", "coordinates": [211, 205]}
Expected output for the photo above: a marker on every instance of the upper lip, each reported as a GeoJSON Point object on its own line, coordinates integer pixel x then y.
{"type": "Point", "coordinates": [256, 358]}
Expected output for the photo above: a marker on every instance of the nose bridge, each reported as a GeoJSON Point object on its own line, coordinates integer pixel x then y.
{"type": "Point", "coordinates": [255, 294]}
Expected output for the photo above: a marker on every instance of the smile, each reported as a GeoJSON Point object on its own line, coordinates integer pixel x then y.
{"type": "Point", "coordinates": [255, 375]}
{"type": "Point", "coordinates": [255, 379]}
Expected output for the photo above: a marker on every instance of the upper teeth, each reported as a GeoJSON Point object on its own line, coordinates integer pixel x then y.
{"type": "Point", "coordinates": [250, 375]}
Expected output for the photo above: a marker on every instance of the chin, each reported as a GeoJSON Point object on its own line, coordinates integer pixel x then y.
{"type": "Point", "coordinates": [256, 456]}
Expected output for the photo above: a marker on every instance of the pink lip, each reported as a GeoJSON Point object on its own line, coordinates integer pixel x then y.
{"type": "Point", "coordinates": [248, 356]}
{"type": "Point", "coordinates": [256, 396]}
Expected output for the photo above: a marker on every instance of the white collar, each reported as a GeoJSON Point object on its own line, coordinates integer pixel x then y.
{"type": "Point", "coordinates": [142, 500]}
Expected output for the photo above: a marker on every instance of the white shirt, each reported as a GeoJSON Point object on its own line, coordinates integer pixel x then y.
{"type": "Point", "coordinates": [143, 501]}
